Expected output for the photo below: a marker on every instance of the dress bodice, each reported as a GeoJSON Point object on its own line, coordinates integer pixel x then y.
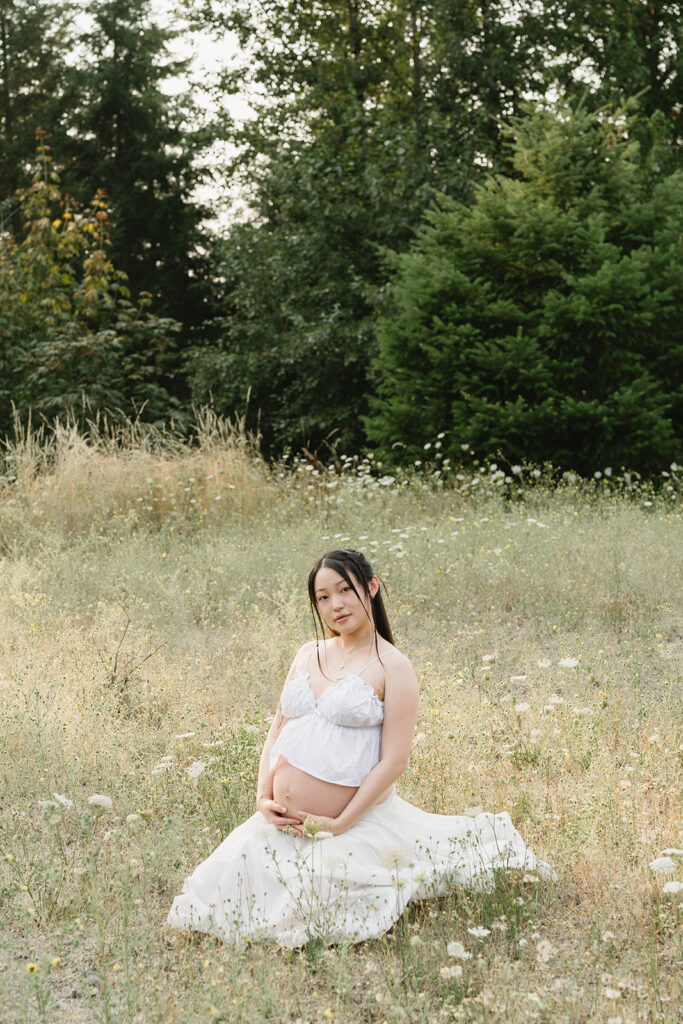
{"type": "Point", "coordinates": [336, 736]}
{"type": "Point", "coordinates": [351, 702]}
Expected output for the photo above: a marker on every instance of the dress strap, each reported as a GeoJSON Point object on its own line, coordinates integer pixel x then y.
{"type": "Point", "coordinates": [314, 648]}
{"type": "Point", "coordinates": [375, 659]}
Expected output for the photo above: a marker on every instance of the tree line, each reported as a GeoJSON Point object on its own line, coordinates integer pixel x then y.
{"type": "Point", "coordinates": [462, 219]}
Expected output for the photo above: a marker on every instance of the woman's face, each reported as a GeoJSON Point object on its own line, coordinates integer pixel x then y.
{"type": "Point", "coordinates": [342, 610]}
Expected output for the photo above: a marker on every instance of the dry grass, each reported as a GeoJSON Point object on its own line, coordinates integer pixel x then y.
{"type": "Point", "coordinates": [73, 482]}
{"type": "Point", "coordinates": [118, 635]}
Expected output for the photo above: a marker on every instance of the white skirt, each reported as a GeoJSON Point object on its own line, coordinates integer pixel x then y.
{"type": "Point", "coordinates": [263, 884]}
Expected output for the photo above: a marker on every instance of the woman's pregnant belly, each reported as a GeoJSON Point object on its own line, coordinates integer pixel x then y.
{"type": "Point", "coordinates": [298, 791]}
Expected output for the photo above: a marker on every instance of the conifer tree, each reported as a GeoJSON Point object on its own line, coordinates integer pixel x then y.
{"type": "Point", "coordinates": [34, 42]}
{"type": "Point", "coordinates": [544, 321]}
{"type": "Point", "coordinates": [130, 136]}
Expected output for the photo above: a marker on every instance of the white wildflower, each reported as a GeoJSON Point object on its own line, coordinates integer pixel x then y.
{"type": "Point", "coordinates": [672, 888]}
{"type": "Point", "coordinates": [518, 679]}
{"type": "Point", "coordinates": [545, 951]}
{"type": "Point", "coordinates": [670, 852]}
{"type": "Point", "coordinates": [184, 735]}
{"type": "Point", "coordinates": [555, 699]}
{"type": "Point", "coordinates": [488, 657]}
{"type": "Point", "coordinates": [521, 708]}
{"type": "Point", "coordinates": [132, 818]}
{"type": "Point", "coordinates": [63, 800]}
{"type": "Point", "coordinates": [611, 993]}
{"type": "Point", "coordinates": [99, 800]}
{"type": "Point", "coordinates": [544, 663]}
{"type": "Point", "coordinates": [662, 865]}
{"type": "Point", "coordinates": [323, 835]}
{"type": "Point", "coordinates": [458, 951]}
{"type": "Point", "coordinates": [479, 932]}
{"type": "Point", "coordinates": [196, 769]}
{"type": "Point", "coordinates": [568, 662]}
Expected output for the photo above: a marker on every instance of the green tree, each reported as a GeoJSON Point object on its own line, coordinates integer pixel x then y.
{"type": "Point", "coordinates": [125, 130]}
{"type": "Point", "coordinates": [544, 321]}
{"type": "Point", "coordinates": [362, 110]}
{"type": "Point", "coordinates": [34, 42]}
{"type": "Point", "coordinates": [72, 341]}
{"type": "Point", "coordinates": [625, 49]}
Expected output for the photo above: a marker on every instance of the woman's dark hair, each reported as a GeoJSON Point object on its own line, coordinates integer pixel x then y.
{"type": "Point", "coordinates": [351, 566]}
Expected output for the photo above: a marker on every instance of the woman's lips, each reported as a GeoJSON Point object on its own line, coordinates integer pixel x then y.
{"type": "Point", "coordinates": [341, 618]}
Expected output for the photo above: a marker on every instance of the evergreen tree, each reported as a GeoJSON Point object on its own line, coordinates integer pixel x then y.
{"type": "Point", "coordinates": [544, 321]}
{"type": "Point", "coordinates": [366, 108]}
{"type": "Point", "coordinates": [125, 131]}
{"type": "Point", "coordinates": [34, 42]}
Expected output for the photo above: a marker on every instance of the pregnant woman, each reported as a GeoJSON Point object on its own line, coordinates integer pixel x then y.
{"type": "Point", "coordinates": [332, 852]}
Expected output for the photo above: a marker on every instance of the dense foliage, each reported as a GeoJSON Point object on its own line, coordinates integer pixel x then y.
{"type": "Point", "coordinates": [72, 339]}
{"type": "Point", "coordinates": [362, 114]}
{"type": "Point", "coordinates": [544, 320]}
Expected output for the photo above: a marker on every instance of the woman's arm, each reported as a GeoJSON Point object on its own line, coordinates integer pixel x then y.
{"type": "Point", "coordinates": [400, 715]}
{"type": "Point", "coordinates": [264, 788]}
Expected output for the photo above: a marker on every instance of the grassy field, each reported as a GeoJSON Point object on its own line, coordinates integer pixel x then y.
{"type": "Point", "coordinates": [150, 603]}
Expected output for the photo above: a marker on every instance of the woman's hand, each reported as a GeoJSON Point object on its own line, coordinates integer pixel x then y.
{"type": "Point", "coordinates": [277, 815]}
{"type": "Point", "coordinates": [314, 824]}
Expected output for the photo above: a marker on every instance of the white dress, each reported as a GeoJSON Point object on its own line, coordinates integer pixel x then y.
{"type": "Point", "coordinates": [261, 883]}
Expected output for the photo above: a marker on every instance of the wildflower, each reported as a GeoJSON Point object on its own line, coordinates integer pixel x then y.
{"type": "Point", "coordinates": [99, 800]}
{"type": "Point", "coordinates": [568, 662]}
{"type": "Point", "coordinates": [56, 961]}
{"type": "Point", "coordinates": [545, 951]}
{"type": "Point", "coordinates": [184, 735]}
{"type": "Point", "coordinates": [31, 968]}
{"type": "Point", "coordinates": [312, 826]}
{"type": "Point", "coordinates": [662, 865]}
{"type": "Point", "coordinates": [132, 818]}
{"type": "Point", "coordinates": [196, 769]}
{"type": "Point", "coordinates": [479, 932]}
{"type": "Point", "coordinates": [450, 972]}
{"type": "Point", "coordinates": [672, 851]}
{"type": "Point", "coordinates": [328, 1015]}
{"type": "Point", "coordinates": [544, 663]}
{"type": "Point", "coordinates": [521, 708]}
{"type": "Point", "coordinates": [607, 936]}
{"type": "Point", "coordinates": [323, 835]}
{"type": "Point", "coordinates": [488, 657]}
{"type": "Point", "coordinates": [611, 993]}
{"type": "Point", "coordinates": [458, 951]}
{"type": "Point", "coordinates": [63, 800]}
{"type": "Point", "coordinates": [672, 888]}
{"type": "Point", "coordinates": [518, 679]}
{"type": "Point", "coordinates": [517, 470]}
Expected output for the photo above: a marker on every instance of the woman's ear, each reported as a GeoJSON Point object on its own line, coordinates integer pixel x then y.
{"type": "Point", "coordinates": [373, 586]}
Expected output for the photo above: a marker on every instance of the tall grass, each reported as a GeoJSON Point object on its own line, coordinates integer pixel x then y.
{"type": "Point", "coordinates": [74, 481]}
{"type": "Point", "coordinates": [134, 641]}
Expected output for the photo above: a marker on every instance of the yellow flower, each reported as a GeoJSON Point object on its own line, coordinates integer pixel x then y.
{"type": "Point", "coordinates": [31, 968]}
{"type": "Point", "coordinates": [328, 1013]}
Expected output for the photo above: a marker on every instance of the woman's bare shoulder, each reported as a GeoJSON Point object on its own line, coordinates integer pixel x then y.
{"type": "Point", "coordinates": [395, 661]}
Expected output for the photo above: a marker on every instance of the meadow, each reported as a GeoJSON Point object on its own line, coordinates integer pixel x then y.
{"type": "Point", "coordinates": [152, 596]}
